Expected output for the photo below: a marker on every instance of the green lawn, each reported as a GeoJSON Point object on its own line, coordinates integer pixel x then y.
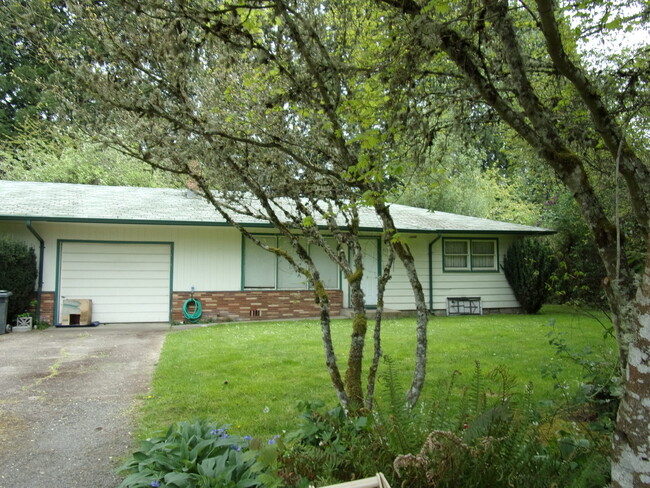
{"type": "Point", "coordinates": [251, 375]}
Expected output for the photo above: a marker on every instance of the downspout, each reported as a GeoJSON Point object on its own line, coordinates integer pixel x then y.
{"type": "Point", "coordinates": [41, 253]}
{"type": "Point", "coordinates": [431, 270]}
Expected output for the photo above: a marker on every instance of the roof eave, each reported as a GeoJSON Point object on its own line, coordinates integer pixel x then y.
{"type": "Point", "coordinates": [192, 223]}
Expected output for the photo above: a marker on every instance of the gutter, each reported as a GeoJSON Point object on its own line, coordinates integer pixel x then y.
{"type": "Point", "coordinates": [41, 253]}
{"type": "Point", "coordinates": [439, 235]}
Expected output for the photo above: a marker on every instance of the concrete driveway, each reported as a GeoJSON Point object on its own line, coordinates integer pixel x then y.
{"type": "Point", "coordinates": [67, 402]}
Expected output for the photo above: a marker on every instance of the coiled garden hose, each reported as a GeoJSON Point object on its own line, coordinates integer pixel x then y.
{"type": "Point", "coordinates": [196, 314]}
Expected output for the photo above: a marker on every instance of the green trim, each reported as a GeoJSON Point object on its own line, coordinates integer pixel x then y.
{"type": "Point", "coordinates": [431, 244]}
{"type": "Point", "coordinates": [257, 225]}
{"type": "Point", "coordinates": [41, 268]}
{"type": "Point", "coordinates": [57, 283]}
{"type": "Point", "coordinates": [241, 261]}
{"type": "Point", "coordinates": [59, 252]}
{"type": "Point", "coordinates": [277, 264]}
{"type": "Point", "coordinates": [171, 281]}
{"type": "Point", "coordinates": [472, 232]}
{"type": "Point", "coordinates": [469, 241]}
{"type": "Point", "coordinates": [184, 223]}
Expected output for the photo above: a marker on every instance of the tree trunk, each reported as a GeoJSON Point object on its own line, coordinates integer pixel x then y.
{"type": "Point", "coordinates": [353, 372]}
{"type": "Point", "coordinates": [381, 288]}
{"type": "Point", "coordinates": [404, 254]}
{"type": "Point", "coordinates": [330, 358]}
{"type": "Point", "coordinates": [631, 443]}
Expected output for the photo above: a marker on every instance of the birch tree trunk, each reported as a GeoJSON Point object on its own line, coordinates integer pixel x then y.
{"type": "Point", "coordinates": [631, 443]}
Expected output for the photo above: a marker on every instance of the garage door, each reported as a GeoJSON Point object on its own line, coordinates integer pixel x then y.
{"type": "Point", "coordinates": [126, 282]}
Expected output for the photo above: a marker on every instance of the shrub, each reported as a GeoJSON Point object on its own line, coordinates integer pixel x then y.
{"type": "Point", "coordinates": [528, 265]}
{"type": "Point", "coordinates": [202, 454]}
{"type": "Point", "coordinates": [17, 274]}
{"type": "Point", "coordinates": [329, 446]}
{"type": "Point", "coordinates": [489, 435]}
{"type": "Point", "coordinates": [599, 390]}
{"type": "Point", "coordinates": [578, 278]}
{"type": "Point", "coordinates": [494, 438]}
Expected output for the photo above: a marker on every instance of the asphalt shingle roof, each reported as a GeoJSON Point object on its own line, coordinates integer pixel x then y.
{"type": "Point", "coordinates": [36, 201]}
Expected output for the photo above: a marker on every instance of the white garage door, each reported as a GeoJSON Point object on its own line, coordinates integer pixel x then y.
{"type": "Point", "coordinates": [126, 282]}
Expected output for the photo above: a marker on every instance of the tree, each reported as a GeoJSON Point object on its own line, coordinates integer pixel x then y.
{"type": "Point", "coordinates": [24, 95]}
{"type": "Point", "coordinates": [49, 157]}
{"type": "Point", "coordinates": [283, 114]}
{"type": "Point", "coordinates": [520, 62]}
{"type": "Point", "coordinates": [458, 176]}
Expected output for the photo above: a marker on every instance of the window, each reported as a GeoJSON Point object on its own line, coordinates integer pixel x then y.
{"type": "Point", "coordinates": [266, 271]}
{"type": "Point", "coordinates": [329, 272]}
{"type": "Point", "coordinates": [484, 255]}
{"type": "Point", "coordinates": [259, 265]}
{"type": "Point", "coordinates": [457, 255]}
{"type": "Point", "coordinates": [470, 255]}
{"type": "Point", "coordinates": [288, 278]}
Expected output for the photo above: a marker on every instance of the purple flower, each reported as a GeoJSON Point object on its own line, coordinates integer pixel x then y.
{"type": "Point", "coordinates": [155, 484]}
{"type": "Point", "coordinates": [275, 438]}
{"type": "Point", "coordinates": [235, 447]}
{"type": "Point", "coordinates": [248, 438]}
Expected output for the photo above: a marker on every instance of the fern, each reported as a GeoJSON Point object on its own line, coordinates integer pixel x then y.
{"type": "Point", "coordinates": [401, 430]}
{"type": "Point", "coordinates": [441, 417]}
{"type": "Point", "coordinates": [477, 391]}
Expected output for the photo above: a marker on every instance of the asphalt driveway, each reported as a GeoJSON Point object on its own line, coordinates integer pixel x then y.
{"type": "Point", "coordinates": [67, 402]}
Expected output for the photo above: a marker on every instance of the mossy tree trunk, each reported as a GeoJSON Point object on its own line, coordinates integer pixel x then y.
{"type": "Point", "coordinates": [496, 51]}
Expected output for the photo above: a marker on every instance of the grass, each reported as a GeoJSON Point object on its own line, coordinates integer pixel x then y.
{"type": "Point", "coordinates": [251, 375]}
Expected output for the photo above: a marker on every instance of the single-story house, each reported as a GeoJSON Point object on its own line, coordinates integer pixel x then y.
{"type": "Point", "coordinates": [140, 253]}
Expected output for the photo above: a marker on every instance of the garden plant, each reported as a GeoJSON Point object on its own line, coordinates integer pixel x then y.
{"type": "Point", "coordinates": [524, 416]}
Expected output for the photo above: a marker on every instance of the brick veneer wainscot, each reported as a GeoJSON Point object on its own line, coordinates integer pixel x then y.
{"type": "Point", "coordinates": [257, 304]}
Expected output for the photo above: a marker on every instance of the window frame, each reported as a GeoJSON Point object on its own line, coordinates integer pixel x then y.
{"type": "Point", "coordinates": [471, 256]}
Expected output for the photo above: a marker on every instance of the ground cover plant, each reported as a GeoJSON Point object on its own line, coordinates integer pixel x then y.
{"type": "Point", "coordinates": [259, 377]}
{"type": "Point", "coordinates": [201, 453]}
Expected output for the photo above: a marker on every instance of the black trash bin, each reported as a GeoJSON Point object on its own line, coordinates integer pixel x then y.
{"type": "Point", "coordinates": [4, 304]}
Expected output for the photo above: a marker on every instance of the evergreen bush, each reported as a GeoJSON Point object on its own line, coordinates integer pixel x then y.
{"type": "Point", "coordinates": [17, 274]}
{"type": "Point", "coordinates": [528, 265]}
